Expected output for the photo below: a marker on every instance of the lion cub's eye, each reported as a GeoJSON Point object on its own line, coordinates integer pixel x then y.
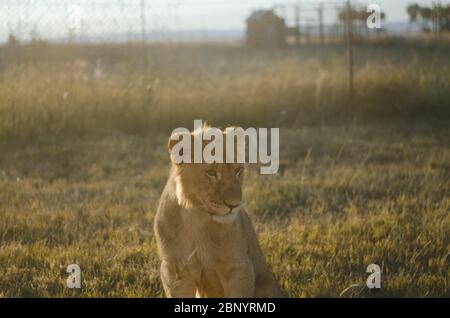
{"type": "Point", "coordinates": [238, 171]}
{"type": "Point", "coordinates": [211, 174]}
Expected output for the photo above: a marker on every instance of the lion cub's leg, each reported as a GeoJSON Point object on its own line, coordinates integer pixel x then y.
{"type": "Point", "coordinates": [238, 281]}
{"type": "Point", "coordinates": [266, 286]}
{"type": "Point", "coordinates": [177, 281]}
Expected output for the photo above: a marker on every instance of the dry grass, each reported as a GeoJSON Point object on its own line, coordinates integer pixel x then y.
{"type": "Point", "coordinates": [99, 90]}
{"type": "Point", "coordinates": [83, 161]}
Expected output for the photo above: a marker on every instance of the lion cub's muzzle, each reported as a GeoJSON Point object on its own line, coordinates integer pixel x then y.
{"type": "Point", "coordinates": [227, 211]}
{"type": "Point", "coordinates": [233, 205]}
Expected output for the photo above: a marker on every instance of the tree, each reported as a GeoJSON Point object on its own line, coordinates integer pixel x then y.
{"type": "Point", "coordinates": [427, 15]}
{"type": "Point", "coordinates": [438, 16]}
{"type": "Point", "coordinates": [358, 15]}
{"type": "Point", "coordinates": [442, 17]}
{"type": "Point", "coordinates": [413, 12]}
{"type": "Point", "coordinates": [12, 40]}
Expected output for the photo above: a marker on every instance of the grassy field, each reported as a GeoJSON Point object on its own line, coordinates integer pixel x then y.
{"type": "Point", "coordinates": [83, 160]}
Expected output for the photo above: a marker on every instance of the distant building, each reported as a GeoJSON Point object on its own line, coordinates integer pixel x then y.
{"type": "Point", "coordinates": [266, 29]}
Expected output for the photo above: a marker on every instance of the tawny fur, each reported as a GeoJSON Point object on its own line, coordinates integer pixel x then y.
{"type": "Point", "coordinates": [208, 249]}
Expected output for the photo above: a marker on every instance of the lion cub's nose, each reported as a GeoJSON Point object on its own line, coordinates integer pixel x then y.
{"type": "Point", "coordinates": [231, 206]}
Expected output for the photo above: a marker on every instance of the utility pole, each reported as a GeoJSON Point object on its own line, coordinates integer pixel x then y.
{"type": "Point", "coordinates": [350, 50]}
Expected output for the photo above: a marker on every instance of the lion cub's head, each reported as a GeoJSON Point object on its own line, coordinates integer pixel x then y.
{"type": "Point", "coordinates": [215, 188]}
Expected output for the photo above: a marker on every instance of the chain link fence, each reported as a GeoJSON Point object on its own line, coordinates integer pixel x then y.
{"type": "Point", "coordinates": [96, 21]}
{"type": "Point", "coordinates": [89, 21]}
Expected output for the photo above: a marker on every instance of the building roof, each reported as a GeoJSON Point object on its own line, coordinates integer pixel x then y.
{"type": "Point", "coordinates": [262, 15]}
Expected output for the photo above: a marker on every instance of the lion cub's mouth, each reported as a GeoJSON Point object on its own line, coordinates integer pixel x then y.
{"type": "Point", "coordinates": [226, 218]}
{"type": "Point", "coordinates": [214, 214]}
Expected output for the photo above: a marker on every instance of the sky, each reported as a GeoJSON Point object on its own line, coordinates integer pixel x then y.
{"type": "Point", "coordinates": [56, 17]}
{"type": "Point", "coordinates": [233, 11]}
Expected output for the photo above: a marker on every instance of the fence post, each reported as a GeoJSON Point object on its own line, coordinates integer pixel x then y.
{"type": "Point", "coordinates": [320, 11]}
{"type": "Point", "coordinates": [143, 22]}
{"type": "Point", "coordinates": [144, 36]}
{"type": "Point", "coordinates": [297, 23]}
{"type": "Point", "coordinates": [350, 51]}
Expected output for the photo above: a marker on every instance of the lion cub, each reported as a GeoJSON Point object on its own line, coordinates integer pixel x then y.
{"type": "Point", "coordinates": [206, 241]}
